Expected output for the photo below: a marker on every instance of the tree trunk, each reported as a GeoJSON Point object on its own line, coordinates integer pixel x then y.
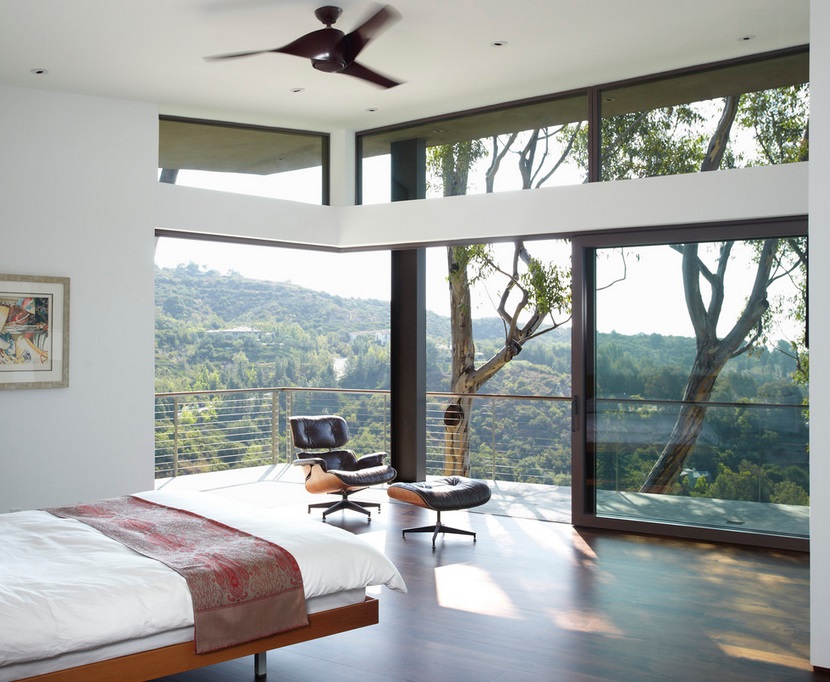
{"type": "Point", "coordinates": [712, 353]}
{"type": "Point", "coordinates": [457, 415]}
{"type": "Point", "coordinates": [466, 378]}
{"type": "Point", "coordinates": [718, 142]}
{"type": "Point", "coordinates": [457, 437]}
{"type": "Point", "coordinates": [688, 424]}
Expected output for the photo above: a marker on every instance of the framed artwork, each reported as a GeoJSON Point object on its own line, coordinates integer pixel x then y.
{"type": "Point", "coordinates": [34, 332]}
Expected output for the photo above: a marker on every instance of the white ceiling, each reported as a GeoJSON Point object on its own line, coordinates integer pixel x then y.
{"type": "Point", "coordinates": [152, 50]}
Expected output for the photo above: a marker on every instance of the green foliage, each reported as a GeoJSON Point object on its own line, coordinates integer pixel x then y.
{"type": "Point", "coordinates": [666, 141]}
{"type": "Point", "coordinates": [516, 440]}
{"type": "Point", "coordinates": [778, 119]}
{"type": "Point", "coordinates": [476, 260]}
{"type": "Point", "coordinates": [549, 286]}
{"type": "Point", "coordinates": [451, 163]}
{"type": "Point", "coordinates": [770, 127]}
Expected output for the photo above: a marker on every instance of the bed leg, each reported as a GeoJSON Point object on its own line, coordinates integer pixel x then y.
{"type": "Point", "coordinates": [261, 665]}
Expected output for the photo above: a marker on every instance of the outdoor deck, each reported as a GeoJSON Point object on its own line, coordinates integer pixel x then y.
{"type": "Point", "coordinates": [282, 486]}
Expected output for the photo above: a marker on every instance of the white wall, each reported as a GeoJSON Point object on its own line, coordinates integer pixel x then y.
{"type": "Point", "coordinates": [819, 332]}
{"type": "Point", "coordinates": [769, 191]}
{"type": "Point", "coordinates": [78, 181]}
{"type": "Point", "coordinates": [764, 192]}
{"type": "Point", "coordinates": [188, 209]}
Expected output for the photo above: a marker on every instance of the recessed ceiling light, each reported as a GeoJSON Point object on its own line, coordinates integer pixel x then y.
{"type": "Point", "coordinates": [499, 43]}
{"type": "Point", "coordinates": [39, 72]}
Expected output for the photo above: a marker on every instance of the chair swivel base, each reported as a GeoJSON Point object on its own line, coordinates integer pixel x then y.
{"type": "Point", "coordinates": [437, 528]}
{"type": "Point", "coordinates": [345, 503]}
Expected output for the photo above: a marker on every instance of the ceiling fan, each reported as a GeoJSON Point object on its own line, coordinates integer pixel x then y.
{"type": "Point", "coordinates": [333, 51]}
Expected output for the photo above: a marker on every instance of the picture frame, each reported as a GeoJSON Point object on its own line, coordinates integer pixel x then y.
{"type": "Point", "coordinates": [34, 332]}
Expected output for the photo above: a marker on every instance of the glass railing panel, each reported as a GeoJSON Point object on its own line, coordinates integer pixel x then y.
{"type": "Point", "coordinates": [748, 471]}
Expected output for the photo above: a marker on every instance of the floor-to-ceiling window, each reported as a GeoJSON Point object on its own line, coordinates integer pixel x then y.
{"type": "Point", "coordinates": [247, 335]}
{"type": "Point", "coordinates": [693, 367]}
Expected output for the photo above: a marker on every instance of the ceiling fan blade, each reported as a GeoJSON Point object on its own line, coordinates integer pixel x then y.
{"type": "Point", "coordinates": [360, 71]}
{"type": "Point", "coordinates": [354, 42]}
{"type": "Point", "coordinates": [315, 45]}
{"type": "Point", "coordinates": [234, 55]}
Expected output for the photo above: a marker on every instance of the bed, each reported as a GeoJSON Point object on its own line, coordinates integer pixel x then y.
{"type": "Point", "coordinates": [78, 605]}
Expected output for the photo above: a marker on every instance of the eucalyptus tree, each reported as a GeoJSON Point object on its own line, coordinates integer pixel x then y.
{"type": "Point", "coordinates": [535, 296]}
{"type": "Point", "coordinates": [780, 125]}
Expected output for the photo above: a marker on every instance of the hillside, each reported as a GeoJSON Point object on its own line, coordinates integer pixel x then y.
{"type": "Point", "coordinates": [209, 323]}
{"type": "Point", "coordinates": [218, 331]}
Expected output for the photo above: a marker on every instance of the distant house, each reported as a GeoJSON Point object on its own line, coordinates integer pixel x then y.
{"type": "Point", "coordinates": [235, 331]}
{"type": "Point", "coordinates": [381, 336]}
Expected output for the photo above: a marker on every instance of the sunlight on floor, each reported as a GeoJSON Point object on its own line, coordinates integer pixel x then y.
{"type": "Point", "coordinates": [469, 588]}
{"type": "Point", "coordinates": [750, 651]}
{"type": "Point", "coordinates": [582, 621]}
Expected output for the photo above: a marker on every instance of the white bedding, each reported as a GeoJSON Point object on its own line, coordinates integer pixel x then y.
{"type": "Point", "coordinates": [64, 586]}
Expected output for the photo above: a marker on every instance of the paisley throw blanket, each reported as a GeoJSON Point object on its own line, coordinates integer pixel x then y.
{"type": "Point", "coordinates": [242, 587]}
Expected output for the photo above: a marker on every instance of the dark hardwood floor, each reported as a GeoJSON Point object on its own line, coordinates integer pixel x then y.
{"type": "Point", "coordinates": [537, 601]}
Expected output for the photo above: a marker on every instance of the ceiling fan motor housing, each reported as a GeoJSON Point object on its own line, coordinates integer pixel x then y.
{"type": "Point", "coordinates": [328, 14]}
{"type": "Point", "coordinates": [329, 65]}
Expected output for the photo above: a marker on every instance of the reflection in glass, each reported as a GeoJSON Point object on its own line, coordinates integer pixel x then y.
{"type": "Point", "coordinates": [752, 114]}
{"type": "Point", "coordinates": [266, 162]}
{"type": "Point", "coordinates": [521, 146]}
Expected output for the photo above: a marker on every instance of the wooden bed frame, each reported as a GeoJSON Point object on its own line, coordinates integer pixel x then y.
{"type": "Point", "coordinates": [177, 658]}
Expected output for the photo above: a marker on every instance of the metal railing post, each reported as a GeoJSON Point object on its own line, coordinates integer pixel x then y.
{"type": "Point", "coordinates": [275, 426]}
{"type": "Point", "coordinates": [385, 422]}
{"type": "Point", "coordinates": [289, 411]}
{"type": "Point", "coordinates": [493, 436]}
{"type": "Point", "coordinates": [175, 436]}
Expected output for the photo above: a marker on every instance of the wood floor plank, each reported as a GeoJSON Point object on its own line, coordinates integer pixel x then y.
{"type": "Point", "coordinates": [532, 601]}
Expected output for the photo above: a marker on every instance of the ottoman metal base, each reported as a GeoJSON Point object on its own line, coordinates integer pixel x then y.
{"type": "Point", "coordinates": [437, 528]}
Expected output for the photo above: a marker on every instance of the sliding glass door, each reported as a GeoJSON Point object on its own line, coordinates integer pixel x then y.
{"type": "Point", "coordinates": [692, 357]}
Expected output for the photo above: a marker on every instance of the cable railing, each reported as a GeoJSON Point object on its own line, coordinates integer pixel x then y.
{"type": "Point", "coordinates": [512, 438]}
{"type": "Point", "coordinates": [744, 451]}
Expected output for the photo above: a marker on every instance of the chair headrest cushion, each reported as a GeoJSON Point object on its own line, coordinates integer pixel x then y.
{"type": "Point", "coordinates": [316, 433]}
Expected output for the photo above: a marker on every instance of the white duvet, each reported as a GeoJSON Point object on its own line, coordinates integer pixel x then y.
{"type": "Point", "coordinates": [64, 586]}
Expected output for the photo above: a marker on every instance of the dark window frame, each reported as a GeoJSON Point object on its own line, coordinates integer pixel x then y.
{"type": "Point", "coordinates": [593, 94]}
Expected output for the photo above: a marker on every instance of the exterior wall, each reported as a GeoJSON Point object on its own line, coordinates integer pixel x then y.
{"type": "Point", "coordinates": [819, 332]}
{"type": "Point", "coordinates": [77, 180]}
